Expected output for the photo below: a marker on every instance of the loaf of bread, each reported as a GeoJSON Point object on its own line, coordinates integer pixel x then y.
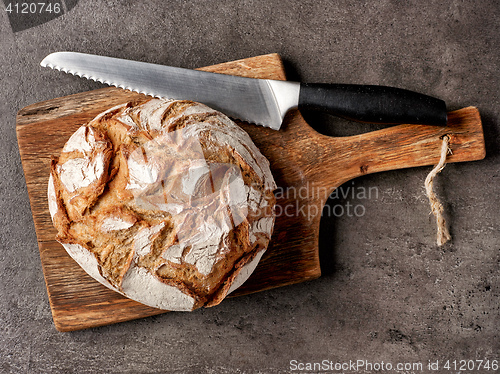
{"type": "Point", "coordinates": [168, 202]}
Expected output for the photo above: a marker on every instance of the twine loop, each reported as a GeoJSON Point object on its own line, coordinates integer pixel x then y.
{"type": "Point", "coordinates": [437, 209]}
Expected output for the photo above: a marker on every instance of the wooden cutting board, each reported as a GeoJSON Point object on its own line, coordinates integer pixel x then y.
{"type": "Point", "coordinates": [307, 167]}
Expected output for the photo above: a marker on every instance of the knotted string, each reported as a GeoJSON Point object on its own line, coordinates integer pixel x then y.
{"type": "Point", "coordinates": [437, 209]}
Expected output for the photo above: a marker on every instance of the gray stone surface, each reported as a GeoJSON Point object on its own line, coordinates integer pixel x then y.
{"type": "Point", "coordinates": [388, 293]}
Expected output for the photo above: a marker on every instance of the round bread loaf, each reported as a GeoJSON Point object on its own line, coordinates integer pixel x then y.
{"type": "Point", "coordinates": [167, 202]}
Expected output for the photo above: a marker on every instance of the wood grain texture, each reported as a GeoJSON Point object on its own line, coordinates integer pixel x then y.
{"type": "Point", "coordinates": [307, 167]}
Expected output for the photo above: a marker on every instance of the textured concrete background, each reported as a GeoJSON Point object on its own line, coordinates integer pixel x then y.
{"type": "Point", "coordinates": [387, 294]}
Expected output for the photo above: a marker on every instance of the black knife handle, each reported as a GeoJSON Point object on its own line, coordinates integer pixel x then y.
{"type": "Point", "coordinates": [373, 104]}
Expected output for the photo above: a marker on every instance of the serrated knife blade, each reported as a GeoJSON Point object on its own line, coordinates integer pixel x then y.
{"type": "Point", "coordinates": [260, 101]}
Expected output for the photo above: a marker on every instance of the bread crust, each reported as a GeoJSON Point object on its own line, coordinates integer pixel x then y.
{"type": "Point", "coordinates": [167, 202]}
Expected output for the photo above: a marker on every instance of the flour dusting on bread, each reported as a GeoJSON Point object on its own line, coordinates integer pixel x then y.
{"type": "Point", "coordinates": [168, 202]}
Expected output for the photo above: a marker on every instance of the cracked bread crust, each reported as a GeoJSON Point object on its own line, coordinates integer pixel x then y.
{"type": "Point", "coordinates": [167, 202]}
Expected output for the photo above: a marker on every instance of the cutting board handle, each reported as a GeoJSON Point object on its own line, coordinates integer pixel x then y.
{"type": "Point", "coordinates": [396, 147]}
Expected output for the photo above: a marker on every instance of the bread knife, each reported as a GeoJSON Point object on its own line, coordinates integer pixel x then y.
{"type": "Point", "coordinates": [260, 101]}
